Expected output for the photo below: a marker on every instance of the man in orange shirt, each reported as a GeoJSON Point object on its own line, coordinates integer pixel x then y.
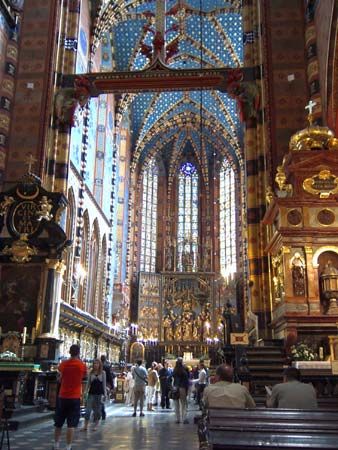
{"type": "Point", "coordinates": [72, 371]}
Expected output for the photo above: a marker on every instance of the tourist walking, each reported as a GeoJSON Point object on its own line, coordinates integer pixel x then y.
{"type": "Point", "coordinates": [152, 381]}
{"type": "Point", "coordinates": [109, 383]}
{"type": "Point", "coordinates": [96, 391]}
{"type": "Point", "coordinates": [165, 377]}
{"type": "Point", "coordinates": [129, 387]}
{"type": "Point", "coordinates": [71, 373]}
{"type": "Point", "coordinates": [201, 383]}
{"type": "Point", "coordinates": [181, 386]}
{"type": "Point", "coordinates": [140, 380]}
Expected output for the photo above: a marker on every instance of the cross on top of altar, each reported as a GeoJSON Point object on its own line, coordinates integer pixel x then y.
{"type": "Point", "coordinates": [30, 161]}
{"type": "Point", "coordinates": [310, 106]}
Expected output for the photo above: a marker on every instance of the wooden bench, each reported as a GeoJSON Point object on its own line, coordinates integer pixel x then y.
{"type": "Point", "coordinates": [264, 428]}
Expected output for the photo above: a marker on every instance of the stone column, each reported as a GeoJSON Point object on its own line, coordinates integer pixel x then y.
{"type": "Point", "coordinates": [48, 339]}
{"type": "Point", "coordinates": [51, 304]}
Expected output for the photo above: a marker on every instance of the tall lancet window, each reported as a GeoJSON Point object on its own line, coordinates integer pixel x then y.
{"type": "Point", "coordinates": [228, 238]}
{"type": "Point", "coordinates": [149, 218]}
{"type": "Point", "coordinates": [187, 233]}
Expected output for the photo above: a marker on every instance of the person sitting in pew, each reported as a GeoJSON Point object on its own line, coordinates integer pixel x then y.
{"type": "Point", "coordinates": [292, 393]}
{"type": "Point", "coordinates": [226, 394]}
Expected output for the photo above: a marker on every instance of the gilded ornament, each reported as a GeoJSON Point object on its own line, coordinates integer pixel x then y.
{"type": "Point", "coordinates": [326, 217]}
{"type": "Point", "coordinates": [323, 184]}
{"type": "Point", "coordinates": [20, 250]}
{"type": "Point", "coordinates": [5, 204]}
{"type": "Point", "coordinates": [294, 217]}
{"type": "Point", "coordinates": [269, 195]}
{"type": "Point", "coordinates": [44, 211]}
{"type": "Point", "coordinates": [281, 180]}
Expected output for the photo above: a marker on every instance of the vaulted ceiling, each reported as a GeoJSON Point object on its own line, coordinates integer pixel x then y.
{"type": "Point", "coordinates": [197, 34]}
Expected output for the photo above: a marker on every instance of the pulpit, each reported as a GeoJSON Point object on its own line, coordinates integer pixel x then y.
{"type": "Point", "coordinates": [302, 227]}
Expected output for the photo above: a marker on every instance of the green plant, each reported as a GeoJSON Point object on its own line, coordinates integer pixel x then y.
{"type": "Point", "coordinates": [302, 352]}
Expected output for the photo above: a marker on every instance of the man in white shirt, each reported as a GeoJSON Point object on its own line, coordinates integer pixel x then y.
{"type": "Point", "coordinates": [201, 382]}
{"type": "Point", "coordinates": [226, 394]}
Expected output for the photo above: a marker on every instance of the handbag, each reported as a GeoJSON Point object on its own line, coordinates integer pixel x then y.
{"type": "Point", "coordinates": [174, 393]}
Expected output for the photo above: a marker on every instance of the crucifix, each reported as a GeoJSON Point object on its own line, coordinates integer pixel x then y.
{"type": "Point", "coordinates": [310, 106]}
{"type": "Point", "coordinates": [30, 161]}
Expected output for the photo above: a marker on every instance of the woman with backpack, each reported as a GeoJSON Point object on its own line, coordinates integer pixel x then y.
{"type": "Point", "coordinates": [96, 391]}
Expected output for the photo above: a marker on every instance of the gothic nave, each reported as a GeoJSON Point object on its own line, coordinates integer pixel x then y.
{"type": "Point", "coordinates": [168, 182]}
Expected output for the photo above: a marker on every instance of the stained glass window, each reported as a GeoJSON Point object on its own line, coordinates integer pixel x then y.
{"type": "Point", "coordinates": [149, 218]}
{"type": "Point", "coordinates": [228, 238]}
{"type": "Point", "coordinates": [187, 233]}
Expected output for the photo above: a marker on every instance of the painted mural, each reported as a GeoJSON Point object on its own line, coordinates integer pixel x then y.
{"type": "Point", "coordinates": [18, 293]}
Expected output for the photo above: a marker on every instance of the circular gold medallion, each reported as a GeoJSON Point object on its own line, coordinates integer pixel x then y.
{"type": "Point", "coordinates": [294, 217]}
{"type": "Point", "coordinates": [326, 217]}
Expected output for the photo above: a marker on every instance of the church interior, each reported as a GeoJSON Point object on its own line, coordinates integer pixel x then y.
{"type": "Point", "coordinates": [168, 181]}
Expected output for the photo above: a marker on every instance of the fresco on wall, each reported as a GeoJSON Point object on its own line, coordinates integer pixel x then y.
{"type": "Point", "coordinates": [19, 292]}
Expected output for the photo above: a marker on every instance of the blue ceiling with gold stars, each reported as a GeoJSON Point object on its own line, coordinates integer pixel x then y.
{"type": "Point", "coordinates": [196, 34]}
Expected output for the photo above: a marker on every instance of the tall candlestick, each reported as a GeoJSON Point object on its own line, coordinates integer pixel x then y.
{"type": "Point", "coordinates": [24, 335]}
{"type": "Point", "coordinates": [321, 353]}
{"type": "Point", "coordinates": [33, 334]}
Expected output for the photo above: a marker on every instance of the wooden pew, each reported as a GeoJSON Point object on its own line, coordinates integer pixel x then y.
{"type": "Point", "coordinates": [267, 428]}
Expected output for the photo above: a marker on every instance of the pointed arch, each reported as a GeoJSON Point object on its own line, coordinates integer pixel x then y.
{"type": "Point", "coordinates": [227, 219]}
{"type": "Point", "coordinates": [93, 269]}
{"type": "Point", "coordinates": [149, 217]}
{"type": "Point", "coordinates": [188, 214]}
{"type": "Point", "coordinates": [67, 291]}
{"type": "Point", "coordinates": [101, 303]}
{"type": "Point", "coordinates": [84, 261]}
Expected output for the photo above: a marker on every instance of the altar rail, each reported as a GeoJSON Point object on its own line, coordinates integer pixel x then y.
{"type": "Point", "coordinates": [267, 428]}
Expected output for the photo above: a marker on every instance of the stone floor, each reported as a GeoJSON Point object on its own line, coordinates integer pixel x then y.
{"type": "Point", "coordinates": [156, 431]}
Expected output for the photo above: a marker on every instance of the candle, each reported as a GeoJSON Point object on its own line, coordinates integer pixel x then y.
{"type": "Point", "coordinates": [321, 353]}
{"type": "Point", "coordinates": [24, 335]}
{"type": "Point", "coordinates": [33, 334]}
{"type": "Point", "coordinates": [0, 331]}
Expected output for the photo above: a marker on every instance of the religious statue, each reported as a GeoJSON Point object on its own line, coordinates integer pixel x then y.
{"type": "Point", "coordinates": [298, 274]}
{"type": "Point", "coordinates": [187, 260]}
{"type": "Point", "coordinates": [168, 326]}
{"type": "Point", "coordinates": [75, 286]}
{"type": "Point", "coordinates": [169, 255]}
{"type": "Point", "coordinates": [45, 209]}
{"type": "Point", "coordinates": [68, 99]}
{"type": "Point", "coordinates": [269, 195]}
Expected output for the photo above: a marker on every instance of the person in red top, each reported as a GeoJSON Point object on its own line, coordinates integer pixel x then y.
{"type": "Point", "coordinates": [72, 371]}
